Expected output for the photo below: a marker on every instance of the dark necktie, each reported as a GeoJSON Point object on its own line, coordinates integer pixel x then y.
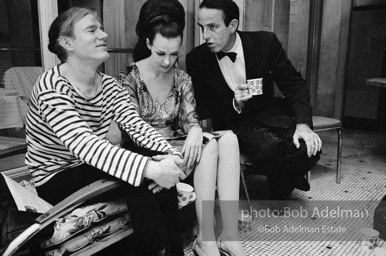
{"type": "Point", "coordinates": [231, 55]}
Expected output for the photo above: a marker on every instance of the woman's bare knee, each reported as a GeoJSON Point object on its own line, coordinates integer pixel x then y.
{"type": "Point", "coordinates": [211, 149]}
{"type": "Point", "coordinates": [229, 142]}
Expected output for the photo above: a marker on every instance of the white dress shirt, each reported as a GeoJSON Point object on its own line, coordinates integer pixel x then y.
{"type": "Point", "coordinates": [234, 72]}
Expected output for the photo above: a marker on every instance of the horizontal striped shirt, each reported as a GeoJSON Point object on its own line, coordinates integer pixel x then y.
{"type": "Point", "coordinates": [65, 129]}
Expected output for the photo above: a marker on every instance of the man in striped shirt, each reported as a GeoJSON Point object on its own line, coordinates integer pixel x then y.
{"type": "Point", "coordinates": [72, 106]}
{"type": "Point", "coordinates": [65, 129]}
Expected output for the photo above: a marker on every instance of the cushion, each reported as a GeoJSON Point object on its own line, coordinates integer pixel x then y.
{"type": "Point", "coordinates": [22, 79]}
{"type": "Point", "coordinates": [321, 122]}
{"type": "Point", "coordinates": [92, 235]}
{"type": "Point", "coordinates": [82, 218]}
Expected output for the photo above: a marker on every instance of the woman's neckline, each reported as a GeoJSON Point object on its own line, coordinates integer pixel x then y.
{"type": "Point", "coordinates": [143, 83]}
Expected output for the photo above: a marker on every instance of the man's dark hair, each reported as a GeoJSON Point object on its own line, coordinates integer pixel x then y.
{"type": "Point", "coordinates": [63, 25]}
{"type": "Point", "coordinates": [228, 7]}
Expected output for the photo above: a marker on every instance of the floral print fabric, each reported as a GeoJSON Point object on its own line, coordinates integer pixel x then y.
{"type": "Point", "coordinates": [173, 117]}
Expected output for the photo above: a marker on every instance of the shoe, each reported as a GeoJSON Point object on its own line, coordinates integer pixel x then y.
{"type": "Point", "coordinates": [302, 184]}
{"type": "Point", "coordinates": [197, 250]}
{"type": "Point", "coordinates": [224, 250]}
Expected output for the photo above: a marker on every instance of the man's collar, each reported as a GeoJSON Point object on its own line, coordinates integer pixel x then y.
{"type": "Point", "coordinates": [232, 53]}
{"type": "Point", "coordinates": [237, 44]}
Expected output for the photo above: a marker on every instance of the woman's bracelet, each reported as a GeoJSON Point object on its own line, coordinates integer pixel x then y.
{"type": "Point", "coordinates": [194, 125]}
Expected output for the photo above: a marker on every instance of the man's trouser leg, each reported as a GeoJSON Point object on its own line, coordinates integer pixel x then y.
{"type": "Point", "coordinates": [274, 155]}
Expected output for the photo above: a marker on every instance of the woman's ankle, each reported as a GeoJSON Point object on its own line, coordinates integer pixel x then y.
{"type": "Point", "coordinates": [229, 236]}
{"type": "Point", "coordinates": [206, 236]}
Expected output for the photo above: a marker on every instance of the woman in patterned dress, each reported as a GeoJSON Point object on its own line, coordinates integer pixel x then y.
{"type": "Point", "coordinates": [163, 96]}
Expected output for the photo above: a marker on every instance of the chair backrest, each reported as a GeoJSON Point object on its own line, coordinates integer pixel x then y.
{"type": "Point", "coordinates": [21, 79]}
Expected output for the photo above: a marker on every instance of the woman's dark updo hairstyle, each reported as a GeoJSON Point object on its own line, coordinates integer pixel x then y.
{"type": "Point", "coordinates": [166, 17]}
{"type": "Point", "coordinates": [63, 25]}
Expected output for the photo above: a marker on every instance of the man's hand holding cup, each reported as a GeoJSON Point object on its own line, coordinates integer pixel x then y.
{"type": "Point", "coordinates": [242, 95]}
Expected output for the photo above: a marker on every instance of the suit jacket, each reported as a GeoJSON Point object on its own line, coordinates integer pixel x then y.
{"type": "Point", "coordinates": [264, 57]}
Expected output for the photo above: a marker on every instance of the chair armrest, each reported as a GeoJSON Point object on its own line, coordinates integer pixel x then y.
{"type": "Point", "coordinates": [71, 202]}
{"type": "Point", "coordinates": [68, 204]}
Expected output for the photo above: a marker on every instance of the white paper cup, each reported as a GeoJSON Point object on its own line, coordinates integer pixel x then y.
{"type": "Point", "coordinates": [185, 194]}
{"type": "Point", "coordinates": [255, 86]}
{"type": "Point", "coordinates": [245, 223]}
{"type": "Point", "coordinates": [369, 239]}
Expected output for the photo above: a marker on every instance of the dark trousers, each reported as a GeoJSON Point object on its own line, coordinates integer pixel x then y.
{"type": "Point", "coordinates": [273, 154]}
{"type": "Point", "coordinates": [153, 216]}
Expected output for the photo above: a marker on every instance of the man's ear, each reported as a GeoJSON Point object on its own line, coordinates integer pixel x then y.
{"type": "Point", "coordinates": [234, 24]}
{"type": "Point", "coordinates": [65, 42]}
{"type": "Point", "coordinates": [148, 44]}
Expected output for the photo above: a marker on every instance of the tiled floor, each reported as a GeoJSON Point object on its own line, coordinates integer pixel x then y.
{"type": "Point", "coordinates": [363, 185]}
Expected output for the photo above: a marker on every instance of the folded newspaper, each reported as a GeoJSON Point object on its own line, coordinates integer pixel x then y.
{"type": "Point", "coordinates": [25, 199]}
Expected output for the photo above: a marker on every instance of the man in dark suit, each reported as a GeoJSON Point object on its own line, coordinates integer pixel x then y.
{"type": "Point", "coordinates": [274, 133]}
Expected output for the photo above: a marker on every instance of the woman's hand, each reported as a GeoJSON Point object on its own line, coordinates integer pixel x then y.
{"type": "Point", "coordinates": [192, 146]}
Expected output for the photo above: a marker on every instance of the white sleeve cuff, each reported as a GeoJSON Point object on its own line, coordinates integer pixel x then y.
{"type": "Point", "coordinates": [234, 106]}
